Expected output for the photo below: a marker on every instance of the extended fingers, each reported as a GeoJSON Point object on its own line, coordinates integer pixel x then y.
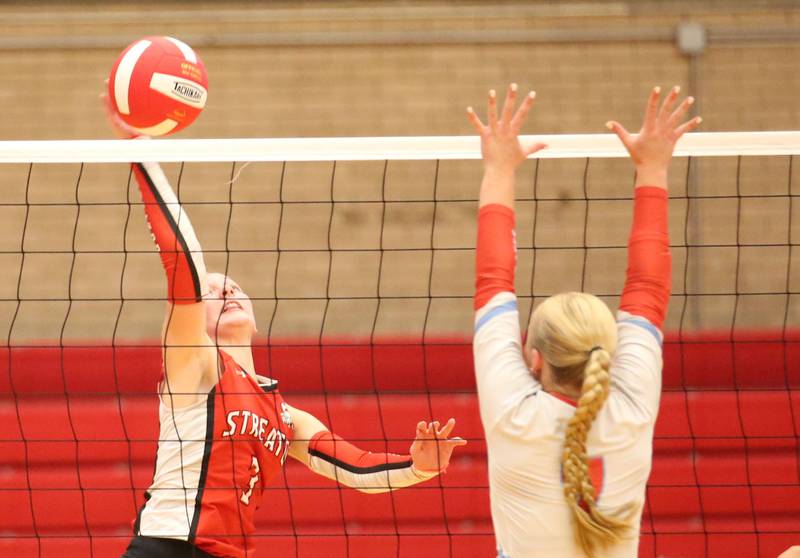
{"type": "Point", "coordinates": [522, 111]}
{"type": "Point", "coordinates": [680, 112]}
{"type": "Point", "coordinates": [533, 148]}
{"type": "Point", "coordinates": [668, 103]}
{"type": "Point", "coordinates": [508, 106]}
{"type": "Point", "coordinates": [491, 112]}
{"type": "Point", "coordinates": [687, 126]}
{"type": "Point", "coordinates": [106, 101]}
{"type": "Point", "coordinates": [475, 121]}
{"type": "Point", "coordinates": [511, 117]}
{"type": "Point", "coordinates": [623, 134]}
{"type": "Point", "coordinates": [433, 430]}
{"type": "Point", "coordinates": [446, 429]}
{"type": "Point", "coordinates": [652, 107]}
{"type": "Point", "coordinates": [426, 430]}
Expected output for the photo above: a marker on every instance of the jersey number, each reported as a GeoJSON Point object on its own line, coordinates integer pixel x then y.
{"type": "Point", "coordinates": [255, 468]}
{"type": "Point", "coordinates": [596, 473]}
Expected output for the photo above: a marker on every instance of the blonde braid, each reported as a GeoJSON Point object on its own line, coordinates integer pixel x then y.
{"type": "Point", "coordinates": [593, 529]}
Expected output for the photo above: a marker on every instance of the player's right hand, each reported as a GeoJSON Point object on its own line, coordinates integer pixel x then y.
{"type": "Point", "coordinates": [118, 126]}
{"type": "Point", "coordinates": [651, 149]}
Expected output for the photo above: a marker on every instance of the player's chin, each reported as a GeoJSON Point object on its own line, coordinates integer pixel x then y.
{"type": "Point", "coordinates": [232, 323]}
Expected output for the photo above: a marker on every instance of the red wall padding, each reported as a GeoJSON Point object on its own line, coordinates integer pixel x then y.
{"type": "Point", "coordinates": [725, 481]}
{"type": "Point", "coordinates": [706, 360]}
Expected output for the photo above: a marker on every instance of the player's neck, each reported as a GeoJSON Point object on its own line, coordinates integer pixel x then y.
{"type": "Point", "coordinates": [570, 393]}
{"type": "Point", "coordinates": [240, 349]}
{"type": "Point", "coordinates": [549, 384]}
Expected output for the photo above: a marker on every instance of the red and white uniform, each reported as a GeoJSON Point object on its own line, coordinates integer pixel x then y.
{"type": "Point", "coordinates": [214, 459]}
{"type": "Point", "coordinates": [215, 456]}
{"type": "Point", "coordinates": [525, 425]}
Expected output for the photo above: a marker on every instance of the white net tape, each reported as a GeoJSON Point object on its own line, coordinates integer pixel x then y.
{"type": "Point", "coordinates": [560, 146]}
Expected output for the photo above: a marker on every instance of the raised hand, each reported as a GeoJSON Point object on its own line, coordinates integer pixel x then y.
{"type": "Point", "coordinates": [500, 145]}
{"type": "Point", "coordinates": [651, 149]}
{"type": "Point", "coordinates": [431, 449]}
{"type": "Point", "coordinates": [118, 126]}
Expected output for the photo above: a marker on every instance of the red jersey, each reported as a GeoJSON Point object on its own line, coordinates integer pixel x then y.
{"type": "Point", "coordinates": [214, 458]}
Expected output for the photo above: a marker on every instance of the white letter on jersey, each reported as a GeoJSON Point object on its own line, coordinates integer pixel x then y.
{"type": "Point", "coordinates": [245, 418]}
{"type": "Point", "coordinates": [254, 425]}
{"type": "Point", "coordinates": [231, 424]}
{"type": "Point", "coordinates": [253, 480]}
{"type": "Point", "coordinates": [270, 443]}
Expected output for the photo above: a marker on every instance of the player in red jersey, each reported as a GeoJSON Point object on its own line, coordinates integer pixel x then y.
{"type": "Point", "coordinates": [569, 414]}
{"type": "Point", "coordinates": [224, 429]}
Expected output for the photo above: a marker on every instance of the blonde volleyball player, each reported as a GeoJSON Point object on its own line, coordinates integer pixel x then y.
{"type": "Point", "coordinates": [225, 430]}
{"type": "Point", "coordinates": [569, 415]}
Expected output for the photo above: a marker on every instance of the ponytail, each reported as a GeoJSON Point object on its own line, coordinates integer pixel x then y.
{"type": "Point", "coordinates": [576, 335]}
{"type": "Point", "coordinates": [593, 529]}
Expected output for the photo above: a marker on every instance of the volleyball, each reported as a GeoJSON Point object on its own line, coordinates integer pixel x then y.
{"type": "Point", "coordinates": [158, 85]}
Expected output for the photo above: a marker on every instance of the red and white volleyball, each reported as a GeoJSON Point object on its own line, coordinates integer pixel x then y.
{"type": "Point", "coordinates": [158, 85]}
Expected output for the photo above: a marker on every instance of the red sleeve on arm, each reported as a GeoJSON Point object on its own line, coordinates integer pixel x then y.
{"type": "Point", "coordinates": [174, 236]}
{"type": "Point", "coordinates": [343, 454]}
{"type": "Point", "coordinates": [495, 254]}
{"type": "Point", "coordinates": [649, 275]}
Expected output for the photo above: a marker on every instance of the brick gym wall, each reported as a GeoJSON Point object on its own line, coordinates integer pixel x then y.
{"type": "Point", "coordinates": [387, 89]}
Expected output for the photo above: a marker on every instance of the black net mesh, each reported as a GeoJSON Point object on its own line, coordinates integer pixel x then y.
{"type": "Point", "coordinates": [361, 277]}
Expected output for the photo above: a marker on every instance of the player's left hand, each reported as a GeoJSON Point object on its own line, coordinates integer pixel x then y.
{"type": "Point", "coordinates": [432, 447]}
{"type": "Point", "coordinates": [501, 147]}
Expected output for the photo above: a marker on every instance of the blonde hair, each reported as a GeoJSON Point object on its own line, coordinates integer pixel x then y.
{"type": "Point", "coordinates": [576, 335]}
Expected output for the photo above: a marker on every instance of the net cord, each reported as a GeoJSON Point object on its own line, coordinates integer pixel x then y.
{"type": "Point", "coordinates": [270, 346]}
{"type": "Point", "coordinates": [69, 400]}
{"type": "Point", "coordinates": [320, 351]}
{"type": "Point", "coordinates": [373, 364]}
{"type": "Point", "coordinates": [735, 362]}
{"type": "Point", "coordinates": [560, 146]}
{"type": "Point", "coordinates": [658, 534]}
{"type": "Point", "coordinates": [425, 360]}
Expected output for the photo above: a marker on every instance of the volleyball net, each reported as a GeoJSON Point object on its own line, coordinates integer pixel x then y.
{"type": "Point", "coordinates": [358, 256]}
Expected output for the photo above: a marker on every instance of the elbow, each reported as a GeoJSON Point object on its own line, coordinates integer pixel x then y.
{"type": "Point", "coordinates": [647, 304]}
{"type": "Point", "coordinates": [487, 285]}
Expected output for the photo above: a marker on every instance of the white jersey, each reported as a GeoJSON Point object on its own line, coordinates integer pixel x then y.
{"type": "Point", "coordinates": [525, 428]}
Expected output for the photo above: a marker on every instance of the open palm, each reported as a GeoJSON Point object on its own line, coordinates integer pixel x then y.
{"type": "Point", "coordinates": [500, 144]}
{"type": "Point", "coordinates": [652, 147]}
